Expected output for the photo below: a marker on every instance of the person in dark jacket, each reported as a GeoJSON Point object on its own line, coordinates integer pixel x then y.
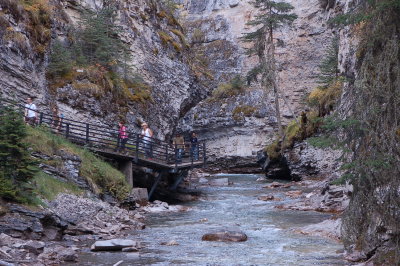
{"type": "Point", "coordinates": [194, 148]}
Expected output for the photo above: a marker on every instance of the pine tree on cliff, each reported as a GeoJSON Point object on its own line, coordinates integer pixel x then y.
{"type": "Point", "coordinates": [97, 40]}
{"type": "Point", "coordinates": [272, 15]}
{"type": "Point", "coordinates": [17, 167]}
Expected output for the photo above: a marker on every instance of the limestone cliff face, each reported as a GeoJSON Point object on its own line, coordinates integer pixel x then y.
{"type": "Point", "coordinates": [371, 59]}
{"type": "Point", "coordinates": [300, 48]}
{"type": "Point", "coordinates": [175, 89]}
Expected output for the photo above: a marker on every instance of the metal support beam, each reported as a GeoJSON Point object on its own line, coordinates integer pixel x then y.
{"type": "Point", "coordinates": [158, 179]}
{"type": "Point", "coordinates": [180, 176]}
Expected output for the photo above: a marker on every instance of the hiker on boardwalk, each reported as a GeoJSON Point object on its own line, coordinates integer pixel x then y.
{"type": "Point", "coordinates": [30, 112]}
{"type": "Point", "coordinates": [146, 136]}
{"type": "Point", "coordinates": [194, 148]}
{"type": "Point", "coordinates": [179, 145]}
{"type": "Point", "coordinates": [122, 137]}
{"type": "Point", "coordinates": [57, 119]}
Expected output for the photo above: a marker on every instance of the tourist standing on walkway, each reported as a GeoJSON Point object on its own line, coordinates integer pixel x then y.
{"type": "Point", "coordinates": [194, 148]}
{"type": "Point", "coordinates": [30, 112]}
{"type": "Point", "coordinates": [146, 136]}
{"type": "Point", "coordinates": [122, 137]}
{"type": "Point", "coordinates": [179, 145]}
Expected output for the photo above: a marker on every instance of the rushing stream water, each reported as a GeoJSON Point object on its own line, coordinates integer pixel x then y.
{"type": "Point", "coordinates": [271, 240]}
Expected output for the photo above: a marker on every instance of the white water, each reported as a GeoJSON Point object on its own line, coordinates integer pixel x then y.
{"type": "Point", "coordinates": [270, 238]}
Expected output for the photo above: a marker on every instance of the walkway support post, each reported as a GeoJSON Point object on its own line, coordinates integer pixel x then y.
{"type": "Point", "coordinates": [126, 167]}
{"type": "Point", "coordinates": [67, 131]}
{"type": "Point", "coordinates": [137, 148]}
{"type": "Point", "coordinates": [176, 157]}
{"type": "Point", "coordinates": [41, 118]}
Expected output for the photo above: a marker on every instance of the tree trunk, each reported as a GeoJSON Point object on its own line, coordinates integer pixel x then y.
{"type": "Point", "coordinates": [275, 88]}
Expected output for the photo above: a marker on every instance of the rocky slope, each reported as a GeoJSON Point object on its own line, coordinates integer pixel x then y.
{"type": "Point", "coordinates": [248, 120]}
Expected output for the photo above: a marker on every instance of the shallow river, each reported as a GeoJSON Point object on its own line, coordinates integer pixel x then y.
{"type": "Point", "coordinates": [271, 240]}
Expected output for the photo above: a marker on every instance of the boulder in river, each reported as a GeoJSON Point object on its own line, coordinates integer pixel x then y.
{"type": "Point", "coordinates": [266, 198]}
{"type": "Point", "coordinates": [278, 184]}
{"type": "Point", "coordinates": [225, 236]}
{"type": "Point", "coordinates": [113, 245]}
{"type": "Point", "coordinates": [294, 193]}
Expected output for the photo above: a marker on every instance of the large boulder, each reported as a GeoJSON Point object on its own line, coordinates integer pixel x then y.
{"type": "Point", "coordinates": [113, 245]}
{"type": "Point", "coordinates": [140, 196]}
{"type": "Point", "coordinates": [225, 236]}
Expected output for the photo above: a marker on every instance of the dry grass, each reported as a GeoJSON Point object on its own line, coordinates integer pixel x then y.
{"type": "Point", "coordinates": [165, 38]}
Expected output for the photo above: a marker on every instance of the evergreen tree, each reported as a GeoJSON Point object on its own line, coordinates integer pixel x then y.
{"type": "Point", "coordinates": [17, 167]}
{"type": "Point", "coordinates": [60, 60]}
{"type": "Point", "coordinates": [272, 15]}
{"type": "Point", "coordinates": [329, 65]}
{"type": "Point", "coordinates": [97, 37]}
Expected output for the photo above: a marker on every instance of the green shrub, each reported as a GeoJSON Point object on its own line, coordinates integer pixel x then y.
{"type": "Point", "coordinates": [291, 134]}
{"type": "Point", "coordinates": [322, 142]}
{"type": "Point", "coordinates": [243, 111]}
{"type": "Point", "coordinates": [49, 187]}
{"type": "Point", "coordinates": [102, 177]}
{"type": "Point", "coordinates": [226, 90]}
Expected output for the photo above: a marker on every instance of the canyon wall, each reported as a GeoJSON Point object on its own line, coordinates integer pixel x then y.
{"type": "Point", "coordinates": [174, 86]}
{"type": "Point", "coordinates": [236, 127]}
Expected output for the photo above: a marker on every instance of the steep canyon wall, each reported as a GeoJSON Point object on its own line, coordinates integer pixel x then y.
{"type": "Point", "coordinates": [164, 67]}
{"type": "Point", "coordinates": [237, 127]}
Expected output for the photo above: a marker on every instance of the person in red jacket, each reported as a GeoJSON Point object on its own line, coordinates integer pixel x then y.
{"type": "Point", "coordinates": [122, 137]}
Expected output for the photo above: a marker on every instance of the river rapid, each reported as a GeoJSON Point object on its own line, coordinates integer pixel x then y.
{"type": "Point", "coordinates": [270, 231]}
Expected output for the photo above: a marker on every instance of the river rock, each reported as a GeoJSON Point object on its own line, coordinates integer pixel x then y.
{"type": "Point", "coordinates": [219, 182]}
{"type": "Point", "coordinates": [170, 243]}
{"type": "Point", "coordinates": [225, 236]}
{"type": "Point", "coordinates": [55, 255]}
{"type": "Point", "coordinates": [6, 240]}
{"type": "Point", "coordinates": [266, 198]}
{"type": "Point", "coordinates": [294, 193]}
{"type": "Point", "coordinates": [35, 247]}
{"type": "Point", "coordinates": [276, 185]}
{"type": "Point", "coordinates": [113, 245]}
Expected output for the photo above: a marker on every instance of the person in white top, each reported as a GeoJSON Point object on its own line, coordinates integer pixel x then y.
{"type": "Point", "coordinates": [146, 136]}
{"type": "Point", "coordinates": [30, 112]}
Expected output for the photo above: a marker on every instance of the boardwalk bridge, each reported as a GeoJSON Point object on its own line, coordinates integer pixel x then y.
{"type": "Point", "coordinates": [165, 159]}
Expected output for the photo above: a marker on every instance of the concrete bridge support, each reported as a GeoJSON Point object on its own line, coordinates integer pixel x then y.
{"type": "Point", "coordinates": [126, 167]}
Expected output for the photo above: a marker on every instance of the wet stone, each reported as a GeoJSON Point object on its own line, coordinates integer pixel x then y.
{"type": "Point", "coordinates": [225, 236]}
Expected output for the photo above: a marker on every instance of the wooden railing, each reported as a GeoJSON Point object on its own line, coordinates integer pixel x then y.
{"type": "Point", "coordinates": [105, 140]}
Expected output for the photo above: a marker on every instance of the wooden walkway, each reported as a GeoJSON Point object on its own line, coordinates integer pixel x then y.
{"type": "Point", "coordinates": [151, 152]}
